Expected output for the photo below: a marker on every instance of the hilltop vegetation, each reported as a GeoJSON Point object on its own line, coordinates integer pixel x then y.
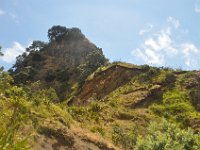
{"type": "Point", "coordinates": [89, 103]}
{"type": "Point", "coordinates": [69, 57]}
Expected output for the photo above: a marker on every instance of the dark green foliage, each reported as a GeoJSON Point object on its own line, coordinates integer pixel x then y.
{"type": "Point", "coordinates": [74, 34]}
{"type": "Point", "coordinates": [85, 71]}
{"type": "Point", "coordinates": [37, 56]}
{"type": "Point", "coordinates": [56, 32]}
{"type": "Point", "coordinates": [26, 74]}
{"type": "Point", "coordinates": [50, 76]}
{"type": "Point", "coordinates": [22, 70]}
{"type": "Point", "coordinates": [20, 61]}
{"type": "Point", "coordinates": [195, 96]}
{"type": "Point", "coordinates": [170, 79]}
{"type": "Point", "coordinates": [1, 54]}
{"type": "Point", "coordinates": [62, 75]}
{"type": "Point", "coordinates": [149, 73]}
{"type": "Point", "coordinates": [95, 59]}
{"type": "Point", "coordinates": [145, 67]}
{"type": "Point", "coordinates": [36, 46]}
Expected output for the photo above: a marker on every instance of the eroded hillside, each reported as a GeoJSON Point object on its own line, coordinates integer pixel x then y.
{"type": "Point", "coordinates": [146, 96]}
{"type": "Point", "coordinates": [64, 94]}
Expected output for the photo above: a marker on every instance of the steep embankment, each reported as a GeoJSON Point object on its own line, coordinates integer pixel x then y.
{"type": "Point", "coordinates": [144, 97]}
{"type": "Point", "coordinates": [104, 81]}
{"type": "Point", "coordinates": [133, 107]}
{"type": "Point", "coordinates": [54, 136]}
{"type": "Point", "coordinates": [128, 99]}
{"type": "Point", "coordinates": [29, 120]}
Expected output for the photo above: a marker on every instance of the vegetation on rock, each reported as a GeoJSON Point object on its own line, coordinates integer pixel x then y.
{"type": "Point", "coordinates": [65, 95]}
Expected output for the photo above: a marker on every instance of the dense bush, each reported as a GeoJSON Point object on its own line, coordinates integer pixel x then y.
{"type": "Point", "coordinates": [149, 74]}
{"type": "Point", "coordinates": [83, 114]}
{"type": "Point", "coordinates": [167, 136]}
{"type": "Point", "coordinates": [13, 113]}
{"type": "Point", "coordinates": [22, 110]}
{"type": "Point", "coordinates": [195, 96]}
{"type": "Point", "coordinates": [175, 105]}
{"type": "Point", "coordinates": [120, 137]}
{"type": "Point", "coordinates": [50, 76]}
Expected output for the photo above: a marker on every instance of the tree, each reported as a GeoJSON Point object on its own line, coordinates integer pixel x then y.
{"type": "Point", "coordinates": [56, 32]}
{"type": "Point", "coordinates": [36, 46]}
{"type": "Point", "coordinates": [1, 67]}
{"type": "Point", "coordinates": [1, 54]}
{"type": "Point", "coordinates": [96, 59]}
{"type": "Point", "coordinates": [19, 60]}
{"type": "Point", "coordinates": [5, 81]}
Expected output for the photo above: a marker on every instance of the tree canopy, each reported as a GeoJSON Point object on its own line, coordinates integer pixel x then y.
{"type": "Point", "coordinates": [36, 46]}
{"type": "Point", "coordinates": [1, 54]}
{"type": "Point", "coordinates": [56, 32]}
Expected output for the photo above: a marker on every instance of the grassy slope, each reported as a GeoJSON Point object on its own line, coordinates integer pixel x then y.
{"type": "Point", "coordinates": [149, 97]}
{"type": "Point", "coordinates": [120, 118]}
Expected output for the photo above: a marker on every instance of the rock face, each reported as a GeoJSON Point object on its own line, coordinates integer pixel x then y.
{"type": "Point", "coordinates": [61, 63]}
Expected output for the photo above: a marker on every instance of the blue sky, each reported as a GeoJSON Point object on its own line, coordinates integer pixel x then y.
{"type": "Point", "coordinates": [155, 32]}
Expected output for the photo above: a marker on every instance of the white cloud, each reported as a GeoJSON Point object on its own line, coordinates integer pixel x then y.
{"type": "Point", "coordinates": [190, 51]}
{"type": "Point", "coordinates": [164, 39]}
{"type": "Point", "coordinates": [151, 43]}
{"type": "Point", "coordinates": [149, 56]}
{"type": "Point", "coordinates": [11, 53]}
{"type": "Point", "coordinates": [155, 48]}
{"type": "Point", "coordinates": [174, 21]}
{"type": "Point", "coordinates": [2, 12]}
{"type": "Point", "coordinates": [162, 48]}
{"type": "Point", "coordinates": [9, 14]}
{"type": "Point", "coordinates": [197, 6]}
{"type": "Point", "coordinates": [148, 29]}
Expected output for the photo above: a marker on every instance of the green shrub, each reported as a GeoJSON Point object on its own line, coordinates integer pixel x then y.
{"type": "Point", "coordinates": [195, 96]}
{"type": "Point", "coordinates": [149, 74]}
{"type": "Point", "coordinates": [175, 105]}
{"type": "Point", "coordinates": [50, 76]}
{"type": "Point", "coordinates": [170, 79]}
{"type": "Point", "coordinates": [14, 113]}
{"type": "Point", "coordinates": [175, 96]}
{"type": "Point", "coordinates": [120, 137]}
{"type": "Point", "coordinates": [113, 102]}
{"type": "Point", "coordinates": [83, 114]}
{"type": "Point", "coordinates": [95, 107]}
{"type": "Point", "coordinates": [145, 67]}
{"type": "Point", "coordinates": [99, 129]}
{"type": "Point", "coordinates": [167, 136]}
{"type": "Point", "coordinates": [79, 113]}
